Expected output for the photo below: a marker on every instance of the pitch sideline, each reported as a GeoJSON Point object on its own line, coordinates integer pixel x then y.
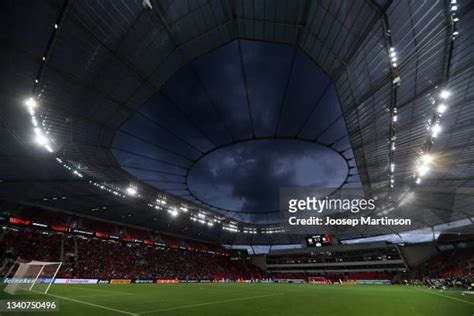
{"type": "Point", "coordinates": [447, 296]}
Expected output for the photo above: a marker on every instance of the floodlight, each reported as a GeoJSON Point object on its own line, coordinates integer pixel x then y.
{"type": "Point", "coordinates": [427, 158]}
{"type": "Point", "coordinates": [41, 139]}
{"type": "Point", "coordinates": [48, 148]}
{"type": "Point", "coordinates": [423, 170]}
{"type": "Point", "coordinates": [131, 191]}
{"type": "Point", "coordinates": [30, 102]}
{"type": "Point", "coordinates": [444, 94]}
{"type": "Point", "coordinates": [441, 108]}
{"type": "Point", "coordinates": [435, 130]}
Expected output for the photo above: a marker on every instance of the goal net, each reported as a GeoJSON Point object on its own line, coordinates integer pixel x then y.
{"type": "Point", "coordinates": [36, 276]}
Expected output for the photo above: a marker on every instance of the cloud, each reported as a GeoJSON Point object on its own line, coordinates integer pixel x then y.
{"type": "Point", "coordinates": [247, 177]}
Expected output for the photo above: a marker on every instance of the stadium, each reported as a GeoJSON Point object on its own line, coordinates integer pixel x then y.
{"type": "Point", "coordinates": [237, 157]}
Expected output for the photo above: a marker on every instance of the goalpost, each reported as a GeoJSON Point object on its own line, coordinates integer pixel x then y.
{"type": "Point", "coordinates": [34, 276]}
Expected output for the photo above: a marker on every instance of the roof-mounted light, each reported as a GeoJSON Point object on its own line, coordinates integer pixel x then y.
{"type": "Point", "coordinates": [31, 103]}
{"type": "Point", "coordinates": [131, 191]}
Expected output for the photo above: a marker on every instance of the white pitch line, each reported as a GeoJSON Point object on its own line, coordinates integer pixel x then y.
{"type": "Point", "coordinates": [208, 303]}
{"type": "Point", "coordinates": [446, 296]}
{"type": "Point", "coordinates": [91, 304]}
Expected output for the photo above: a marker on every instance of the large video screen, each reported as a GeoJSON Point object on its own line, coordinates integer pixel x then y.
{"type": "Point", "coordinates": [318, 240]}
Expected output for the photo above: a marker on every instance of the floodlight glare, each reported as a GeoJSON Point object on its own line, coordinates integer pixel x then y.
{"type": "Point", "coordinates": [41, 139]}
{"type": "Point", "coordinates": [131, 191]}
{"type": "Point", "coordinates": [173, 213]}
{"type": "Point", "coordinates": [48, 148]}
{"type": "Point", "coordinates": [423, 170]}
{"type": "Point", "coordinates": [444, 94]}
{"type": "Point", "coordinates": [441, 108]}
{"type": "Point", "coordinates": [30, 102]}
{"type": "Point", "coordinates": [427, 158]}
{"type": "Point", "coordinates": [435, 130]}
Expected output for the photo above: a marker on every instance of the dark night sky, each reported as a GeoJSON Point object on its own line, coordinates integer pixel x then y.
{"type": "Point", "coordinates": [204, 106]}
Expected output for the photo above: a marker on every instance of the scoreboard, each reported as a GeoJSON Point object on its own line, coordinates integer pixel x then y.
{"type": "Point", "coordinates": [318, 240]}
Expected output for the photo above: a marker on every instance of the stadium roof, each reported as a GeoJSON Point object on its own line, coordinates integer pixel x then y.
{"type": "Point", "coordinates": [93, 67]}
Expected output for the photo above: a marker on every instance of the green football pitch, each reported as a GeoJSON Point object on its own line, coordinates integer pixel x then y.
{"type": "Point", "coordinates": [251, 299]}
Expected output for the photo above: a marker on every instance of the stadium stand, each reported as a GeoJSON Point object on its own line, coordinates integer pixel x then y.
{"type": "Point", "coordinates": [136, 253]}
{"type": "Point", "coordinates": [365, 261]}
{"type": "Point", "coordinates": [455, 266]}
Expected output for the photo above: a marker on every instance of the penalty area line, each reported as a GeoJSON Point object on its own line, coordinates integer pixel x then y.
{"type": "Point", "coordinates": [207, 303]}
{"type": "Point", "coordinates": [446, 296]}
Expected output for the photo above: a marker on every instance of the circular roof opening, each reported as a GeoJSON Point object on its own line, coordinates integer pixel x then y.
{"type": "Point", "coordinates": [245, 178]}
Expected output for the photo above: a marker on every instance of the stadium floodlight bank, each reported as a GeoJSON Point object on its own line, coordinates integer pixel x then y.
{"type": "Point", "coordinates": [36, 276]}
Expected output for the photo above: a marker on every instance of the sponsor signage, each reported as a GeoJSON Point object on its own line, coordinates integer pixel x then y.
{"type": "Point", "coordinates": [75, 281]}
{"type": "Point", "coordinates": [61, 229]}
{"type": "Point", "coordinates": [138, 281]}
{"type": "Point", "coordinates": [18, 280]}
{"type": "Point", "coordinates": [18, 221]}
{"type": "Point", "coordinates": [166, 281]}
{"type": "Point", "coordinates": [294, 281]}
{"type": "Point", "coordinates": [78, 231]}
{"type": "Point", "coordinates": [40, 225]}
{"type": "Point", "coordinates": [120, 281]}
{"type": "Point", "coordinates": [128, 239]}
{"type": "Point", "coordinates": [101, 235]}
{"type": "Point", "coordinates": [373, 282]}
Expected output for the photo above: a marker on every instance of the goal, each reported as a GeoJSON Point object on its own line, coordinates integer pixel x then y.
{"type": "Point", "coordinates": [36, 276]}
